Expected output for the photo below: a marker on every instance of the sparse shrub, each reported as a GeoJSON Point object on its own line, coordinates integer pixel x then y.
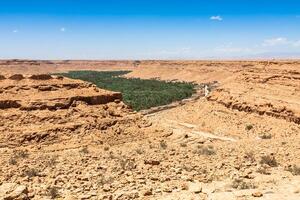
{"type": "Point", "coordinates": [249, 127]}
{"type": "Point", "coordinates": [187, 168]}
{"type": "Point", "coordinates": [263, 170]}
{"type": "Point", "coordinates": [241, 184]}
{"type": "Point", "coordinates": [163, 144]}
{"type": "Point", "coordinates": [84, 150]}
{"type": "Point", "coordinates": [269, 160]}
{"type": "Point", "coordinates": [265, 136]}
{"type": "Point", "coordinates": [139, 151]}
{"type": "Point", "coordinates": [183, 144]}
{"type": "Point", "coordinates": [21, 154]}
{"type": "Point", "coordinates": [250, 156]}
{"type": "Point", "coordinates": [127, 164]}
{"type": "Point", "coordinates": [50, 162]}
{"type": "Point", "coordinates": [106, 148]}
{"type": "Point", "coordinates": [205, 150]}
{"type": "Point", "coordinates": [112, 155]}
{"type": "Point", "coordinates": [104, 180]}
{"type": "Point", "coordinates": [151, 146]}
{"type": "Point", "coordinates": [295, 170]}
{"type": "Point", "coordinates": [53, 192]}
{"type": "Point", "coordinates": [32, 172]}
{"type": "Point", "coordinates": [12, 161]}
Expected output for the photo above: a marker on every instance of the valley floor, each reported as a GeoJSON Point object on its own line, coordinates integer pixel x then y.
{"type": "Point", "coordinates": [242, 141]}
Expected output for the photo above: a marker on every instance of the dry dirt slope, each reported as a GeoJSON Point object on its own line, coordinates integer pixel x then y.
{"type": "Point", "coordinates": [257, 104]}
{"type": "Point", "coordinates": [218, 147]}
{"type": "Point", "coordinates": [41, 115]}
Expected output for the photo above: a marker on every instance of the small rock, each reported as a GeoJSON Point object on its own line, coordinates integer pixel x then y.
{"type": "Point", "coordinates": [70, 197]}
{"type": "Point", "coordinates": [167, 189]}
{"type": "Point", "coordinates": [257, 194]}
{"type": "Point", "coordinates": [106, 188]}
{"type": "Point", "coordinates": [151, 162]}
{"type": "Point", "coordinates": [147, 192]}
{"type": "Point", "coordinates": [13, 191]}
{"type": "Point", "coordinates": [85, 196]}
{"type": "Point", "coordinates": [184, 186]}
{"type": "Point", "coordinates": [17, 77]}
{"type": "Point", "coordinates": [195, 187]}
{"type": "Point", "coordinates": [186, 178]}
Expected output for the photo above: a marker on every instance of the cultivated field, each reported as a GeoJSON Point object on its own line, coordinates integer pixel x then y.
{"type": "Point", "coordinates": [63, 138]}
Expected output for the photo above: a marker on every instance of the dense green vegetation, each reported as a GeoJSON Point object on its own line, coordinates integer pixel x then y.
{"type": "Point", "coordinates": [140, 94]}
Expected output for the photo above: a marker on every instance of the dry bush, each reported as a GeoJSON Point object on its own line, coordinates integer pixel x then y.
{"type": "Point", "coordinates": [263, 170]}
{"type": "Point", "coordinates": [127, 164]}
{"type": "Point", "coordinates": [269, 160]}
{"type": "Point", "coordinates": [265, 136]}
{"type": "Point", "coordinates": [242, 185]}
{"type": "Point", "coordinates": [53, 192]}
{"type": "Point", "coordinates": [50, 162]}
{"type": "Point", "coordinates": [249, 127]}
{"type": "Point", "coordinates": [163, 144]}
{"type": "Point", "coordinates": [139, 151]}
{"type": "Point", "coordinates": [250, 156]}
{"type": "Point", "coordinates": [32, 172]}
{"type": "Point", "coordinates": [295, 170]}
{"type": "Point", "coordinates": [104, 180]}
{"type": "Point", "coordinates": [12, 161]}
{"type": "Point", "coordinates": [21, 154]}
{"type": "Point", "coordinates": [183, 144]}
{"type": "Point", "coordinates": [18, 154]}
{"type": "Point", "coordinates": [111, 155]}
{"type": "Point", "coordinates": [205, 150]}
{"type": "Point", "coordinates": [106, 148]}
{"type": "Point", "coordinates": [84, 150]}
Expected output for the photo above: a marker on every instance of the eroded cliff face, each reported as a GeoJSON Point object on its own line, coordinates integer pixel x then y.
{"type": "Point", "coordinates": [272, 92]}
{"type": "Point", "coordinates": [46, 109]}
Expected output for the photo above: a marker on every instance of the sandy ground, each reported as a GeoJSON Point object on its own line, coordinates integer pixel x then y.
{"type": "Point", "coordinates": [66, 139]}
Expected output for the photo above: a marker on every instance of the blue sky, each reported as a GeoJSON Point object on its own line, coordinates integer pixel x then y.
{"type": "Point", "coordinates": [149, 29]}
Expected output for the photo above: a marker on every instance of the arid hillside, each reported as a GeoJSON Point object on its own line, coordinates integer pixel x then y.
{"type": "Point", "coordinates": [67, 139]}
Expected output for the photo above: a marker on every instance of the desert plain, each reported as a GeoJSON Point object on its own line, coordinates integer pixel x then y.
{"type": "Point", "coordinates": [62, 138]}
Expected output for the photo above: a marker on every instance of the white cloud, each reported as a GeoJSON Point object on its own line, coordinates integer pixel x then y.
{"type": "Point", "coordinates": [281, 41]}
{"type": "Point", "coordinates": [275, 41]}
{"type": "Point", "coordinates": [217, 18]}
{"type": "Point", "coordinates": [296, 43]}
{"type": "Point", "coordinates": [15, 31]}
{"type": "Point", "coordinates": [63, 29]}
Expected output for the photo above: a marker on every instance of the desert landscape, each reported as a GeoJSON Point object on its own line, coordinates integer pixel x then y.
{"type": "Point", "coordinates": [237, 137]}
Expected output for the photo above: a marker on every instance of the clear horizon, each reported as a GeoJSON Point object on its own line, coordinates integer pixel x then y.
{"type": "Point", "coordinates": [132, 29]}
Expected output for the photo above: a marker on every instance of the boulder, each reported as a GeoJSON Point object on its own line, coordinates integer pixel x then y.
{"type": "Point", "coordinates": [41, 77]}
{"type": "Point", "coordinates": [13, 191]}
{"type": "Point", "coordinates": [17, 77]}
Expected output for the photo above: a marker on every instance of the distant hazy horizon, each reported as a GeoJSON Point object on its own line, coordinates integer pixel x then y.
{"type": "Point", "coordinates": [149, 29]}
